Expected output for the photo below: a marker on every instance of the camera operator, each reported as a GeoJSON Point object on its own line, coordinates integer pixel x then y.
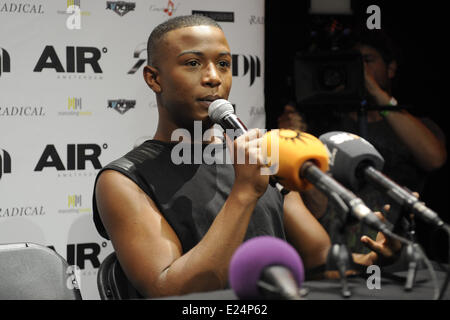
{"type": "Point", "coordinates": [411, 146]}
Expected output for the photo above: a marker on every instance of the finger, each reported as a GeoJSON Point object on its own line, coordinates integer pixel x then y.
{"type": "Point", "coordinates": [371, 244]}
{"type": "Point", "coordinates": [416, 194]}
{"type": "Point", "coordinates": [380, 216]}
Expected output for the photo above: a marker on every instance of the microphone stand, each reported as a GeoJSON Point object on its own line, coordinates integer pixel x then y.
{"type": "Point", "coordinates": [414, 258]}
{"type": "Point", "coordinates": [339, 257]}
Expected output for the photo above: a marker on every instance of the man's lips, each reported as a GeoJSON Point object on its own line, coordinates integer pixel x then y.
{"type": "Point", "coordinates": [206, 101]}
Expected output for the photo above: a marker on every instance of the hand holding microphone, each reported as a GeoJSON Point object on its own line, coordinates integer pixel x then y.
{"type": "Point", "coordinates": [300, 160]}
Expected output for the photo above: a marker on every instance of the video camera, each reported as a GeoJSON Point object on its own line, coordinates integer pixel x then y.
{"type": "Point", "coordinates": [330, 73]}
{"type": "Point", "coordinates": [334, 78]}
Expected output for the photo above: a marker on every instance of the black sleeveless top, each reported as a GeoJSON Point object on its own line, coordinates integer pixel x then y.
{"type": "Point", "coordinates": [190, 194]}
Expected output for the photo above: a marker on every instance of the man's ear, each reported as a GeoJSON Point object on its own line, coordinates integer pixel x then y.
{"type": "Point", "coordinates": [392, 69]}
{"type": "Point", "coordinates": [151, 77]}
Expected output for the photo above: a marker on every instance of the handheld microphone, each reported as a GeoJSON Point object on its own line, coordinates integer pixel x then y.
{"type": "Point", "coordinates": [303, 160]}
{"type": "Point", "coordinates": [221, 111]}
{"type": "Point", "coordinates": [266, 267]}
{"type": "Point", "coordinates": [354, 161]}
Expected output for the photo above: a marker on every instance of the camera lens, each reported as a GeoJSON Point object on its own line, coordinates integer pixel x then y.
{"type": "Point", "coordinates": [332, 77]}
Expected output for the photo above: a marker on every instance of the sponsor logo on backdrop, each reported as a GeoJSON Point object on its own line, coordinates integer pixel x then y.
{"type": "Point", "coordinates": [140, 53]}
{"type": "Point", "coordinates": [168, 10]}
{"type": "Point", "coordinates": [219, 16]}
{"type": "Point", "coordinates": [75, 205]}
{"type": "Point", "coordinates": [80, 160]}
{"type": "Point", "coordinates": [21, 7]}
{"type": "Point", "coordinates": [21, 211]}
{"type": "Point", "coordinates": [121, 105]}
{"type": "Point", "coordinates": [80, 63]}
{"type": "Point", "coordinates": [73, 21]}
{"type": "Point", "coordinates": [23, 111]}
{"type": "Point", "coordinates": [82, 255]}
{"type": "Point", "coordinates": [120, 7]}
{"type": "Point", "coordinates": [243, 65]}
{"type": "Point", "coordinates": [256, 20]}
{"type": "Point", "coordinates": [5, 61]}
{"type": "Point", "coordinates": [74, 108]}
{"type": "Point", "coordinates": [5, 162]}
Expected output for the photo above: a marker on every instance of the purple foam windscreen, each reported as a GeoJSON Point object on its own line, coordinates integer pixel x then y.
{"type": "Point", "coordinates": [256, 254]}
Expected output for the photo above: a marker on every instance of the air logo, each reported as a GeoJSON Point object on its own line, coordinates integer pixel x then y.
{"type": "Point", "coordinates": [76, 60]}
{"type": "Point", "coordinates": [251, 65]}
{"type": "Point", "coordinates": [80, 253]}
{"type": "Point", "coordinates": [77, 157]}
{"type": "Point", "coordinates": [5, 162]}
{"type": "Point", "coordinates": [5, 61]}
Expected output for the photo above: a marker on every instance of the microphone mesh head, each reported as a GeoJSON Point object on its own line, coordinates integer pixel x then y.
{"type": "Point", "coordinates": [250, 259]}
{"type": "Point", "coordinates": [219, 109]}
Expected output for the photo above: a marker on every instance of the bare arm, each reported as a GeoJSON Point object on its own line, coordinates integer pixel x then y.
{"type": "Point", "coordinates": [148, 249]}
{"type": "Point", "coordinates": [304, 232]}
{"type": "Point", "coordinates": [429, 152]}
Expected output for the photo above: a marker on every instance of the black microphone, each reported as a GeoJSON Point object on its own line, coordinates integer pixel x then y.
{"type": "Point", "coordinates": [303, 160]}
{"type": "Point", "coordinates": [355, 161]}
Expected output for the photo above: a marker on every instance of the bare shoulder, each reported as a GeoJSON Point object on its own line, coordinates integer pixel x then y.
{"type": "Point", "coordinates": [143, 240]}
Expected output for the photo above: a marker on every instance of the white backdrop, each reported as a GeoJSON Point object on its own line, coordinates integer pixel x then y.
{"type": "Point", "coordinates": [60, 114]}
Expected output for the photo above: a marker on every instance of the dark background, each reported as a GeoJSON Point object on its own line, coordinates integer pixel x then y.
{"type": "Point", "coordinates": [420, 31]}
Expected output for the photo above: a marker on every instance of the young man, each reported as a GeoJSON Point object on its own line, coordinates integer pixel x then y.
{"type": "Point", "coordinates": [175, 227]}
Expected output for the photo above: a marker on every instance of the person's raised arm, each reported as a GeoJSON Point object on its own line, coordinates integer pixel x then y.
{"type": "Point", "coordinates": [428, 151]}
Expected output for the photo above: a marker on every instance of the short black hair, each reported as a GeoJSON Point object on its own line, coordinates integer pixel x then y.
{"type": "Point", "coordinates": [380, 41]}
{"type": "Point", "coordinates": [173, 24]}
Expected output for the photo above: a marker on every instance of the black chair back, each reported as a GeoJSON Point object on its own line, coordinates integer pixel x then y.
{"type": "Point", "coordinates": [112, 283]}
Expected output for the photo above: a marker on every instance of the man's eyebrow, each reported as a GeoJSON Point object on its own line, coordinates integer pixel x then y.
{"type": "Point", "coordinates": [199, 53]}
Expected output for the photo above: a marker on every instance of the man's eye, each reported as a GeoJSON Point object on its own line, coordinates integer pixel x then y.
{"type": "Point", "coordinates": [224, 64]}
{"type": "Point", "coordinates": [192, 63]}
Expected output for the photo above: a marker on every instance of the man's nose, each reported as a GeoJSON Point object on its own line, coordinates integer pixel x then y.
{"type": "Point", "coordinates": [211, 76]}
